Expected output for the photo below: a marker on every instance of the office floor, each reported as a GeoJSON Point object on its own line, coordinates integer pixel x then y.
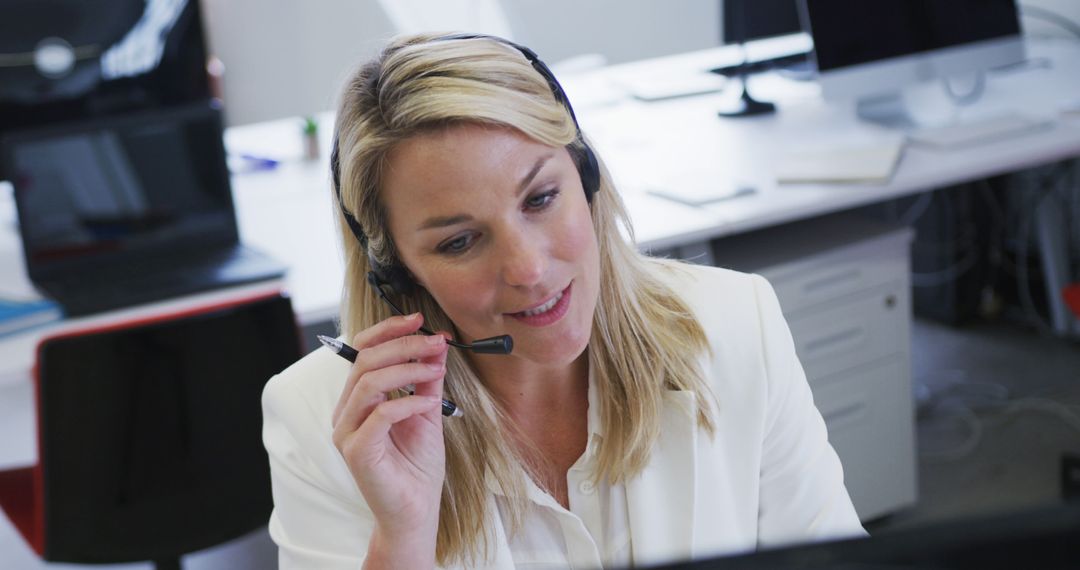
{"type": "Point", "coordinates": [964, 377]}
{"type": "Point", "coordinates": [998, 405]}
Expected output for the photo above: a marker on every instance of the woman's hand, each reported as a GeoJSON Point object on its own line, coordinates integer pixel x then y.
{"type": "Point", "coordinates": [394, 448]}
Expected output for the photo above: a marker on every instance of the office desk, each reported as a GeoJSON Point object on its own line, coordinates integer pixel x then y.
{"type": "Point", "coordinates": [681, 143]}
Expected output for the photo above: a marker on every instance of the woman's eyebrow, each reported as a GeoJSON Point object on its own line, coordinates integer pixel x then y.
{"type": "Point", "coordinates": [444, 221]}
{"type": "Point", "coordinates": [540, 162]}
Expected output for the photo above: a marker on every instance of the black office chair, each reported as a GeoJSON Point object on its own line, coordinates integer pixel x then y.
{"type": "Point", "coordinates": [149, 435]}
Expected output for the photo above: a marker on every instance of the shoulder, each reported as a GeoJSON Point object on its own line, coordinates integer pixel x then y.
{"type": "Point", "coordinates": [309, 388]}
{"type": "Point", "coordinates": [298, 406]}
{"type": "Point", "coordinates": [726, 303]}
{"type": "Point", "coordinates": [743, 325]}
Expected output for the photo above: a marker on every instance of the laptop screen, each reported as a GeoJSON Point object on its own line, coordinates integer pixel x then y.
{"type": "Point", "coordinates": [120, 187]}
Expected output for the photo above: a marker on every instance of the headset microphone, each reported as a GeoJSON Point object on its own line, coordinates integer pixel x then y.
{"type": "Point", "coordinates": [502, 344]}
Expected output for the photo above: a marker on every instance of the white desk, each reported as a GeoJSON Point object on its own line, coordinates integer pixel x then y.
{"type": "Point", "coordinates": [287, 211]}
{"type": "Point", "coordinates": [682, 143]}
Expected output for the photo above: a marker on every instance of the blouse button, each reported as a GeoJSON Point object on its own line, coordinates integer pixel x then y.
{"type": "Point", "coordinates": [586, 487]}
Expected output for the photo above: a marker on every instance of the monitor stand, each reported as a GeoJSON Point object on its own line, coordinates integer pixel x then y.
{"type": "Point", "coordinates": [886, 110]}
{"type": "Point", "coordinates": [747, 106]}
{"type": "Point", "coordinates": [929, 117]}
{"type": "Point", "coordinates": [927, 105]}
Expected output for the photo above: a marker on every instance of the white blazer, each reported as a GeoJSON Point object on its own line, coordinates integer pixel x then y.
{"type": "Point", "coordinates": [768, 477]}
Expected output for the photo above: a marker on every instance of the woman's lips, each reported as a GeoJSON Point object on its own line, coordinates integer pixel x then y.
{"type": "Point", "coordinates": [556, 312]}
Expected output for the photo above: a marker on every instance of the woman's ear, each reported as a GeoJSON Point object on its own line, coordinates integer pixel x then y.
{"type": "Point", "coordinates": [416, 280]}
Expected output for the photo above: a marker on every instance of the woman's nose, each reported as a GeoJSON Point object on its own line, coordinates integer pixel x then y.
{"type": "Point", "coordinates": [524, 258]}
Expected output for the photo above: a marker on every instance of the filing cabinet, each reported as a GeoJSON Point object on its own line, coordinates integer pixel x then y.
{"type": "Point", "coordinates": [844, 286]}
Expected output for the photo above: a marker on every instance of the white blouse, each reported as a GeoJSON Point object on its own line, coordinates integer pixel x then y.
{"type": "Point", "coordinates": [594, 533]}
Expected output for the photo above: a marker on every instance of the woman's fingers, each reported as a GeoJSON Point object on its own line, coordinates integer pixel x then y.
{"type": "Point", "coordinates": [386, 330]}
{"type": "Point", "coordinates": [372, 389]}
{"type": "Point", "coordinates": [396, 344]}
{"type": "Point", "coordinates": [435, 389]}
{"type": "Point", "coordinates": [385, 415]}
{"type": "Point", "coordinates": [398, 350]}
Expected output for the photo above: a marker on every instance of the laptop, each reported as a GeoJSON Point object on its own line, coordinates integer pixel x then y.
{"type": "Point", "coordinates": [129, 209]}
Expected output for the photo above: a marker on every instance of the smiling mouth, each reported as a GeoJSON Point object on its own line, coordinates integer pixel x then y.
{"type": "Point", "coordinates": [553, 310]}
{"type": "Point", "coordinates": [543, 308]}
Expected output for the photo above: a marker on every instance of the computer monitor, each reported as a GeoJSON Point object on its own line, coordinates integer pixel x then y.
{"type": "Point", "coordinates": [748, 20]}
{"type": "Point", "coordinates": [871, 51]}
{"type": "Point", "coordinates": [1043, 538]}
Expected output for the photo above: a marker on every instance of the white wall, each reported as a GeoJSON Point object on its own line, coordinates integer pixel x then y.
{"type": "Point", "coordinates": [287, 57]}
{"type": "Point", "coordinates": [620, 30]}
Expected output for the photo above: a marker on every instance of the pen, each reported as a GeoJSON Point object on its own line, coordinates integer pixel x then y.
{"type": "Point", "coordinates": [349, 353]}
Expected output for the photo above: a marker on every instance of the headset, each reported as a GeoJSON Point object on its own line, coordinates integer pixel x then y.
{"type": "Point", "coordinates": [395, 278]}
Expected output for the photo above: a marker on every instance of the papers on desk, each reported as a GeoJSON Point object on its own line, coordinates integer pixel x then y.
{"type": "Point", "coordinates": [671, 86]}
{"type": "Point", "coordinates": [18, 316]}
{"type": "Point", "coordinates": [870, 162]}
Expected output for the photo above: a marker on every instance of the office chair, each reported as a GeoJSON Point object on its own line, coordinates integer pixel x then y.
{"type": "Point", "coordinates": [1071, 293]}
{"type": "Point", "coordinates": [149, 435]}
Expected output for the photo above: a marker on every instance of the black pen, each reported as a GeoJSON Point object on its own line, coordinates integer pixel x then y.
{"type": "Point", "coordinates": [349, 353]}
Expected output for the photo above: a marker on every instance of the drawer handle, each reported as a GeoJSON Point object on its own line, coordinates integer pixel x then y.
{"type": "Point", "coordinates": [831, 280]}
{"type": "Point", "coordinates": [845, 337]}
{"type": "Point", "coordinates": [845, 415]}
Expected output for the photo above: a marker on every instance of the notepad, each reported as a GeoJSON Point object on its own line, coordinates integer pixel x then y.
{"type": "Point", "coordinates": [652, 88]}
{"type": "Point", "coordinates": [870, 162]}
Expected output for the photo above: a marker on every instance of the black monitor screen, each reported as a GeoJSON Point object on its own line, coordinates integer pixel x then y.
{"type": "Point", "coordinates": [851, 32]}
{"type": "Point", "coordinates": [746, 20]}
{"type": "Point", "coordinates": [121, 184]}
{"type": "Point", "coordinates": [71, 59]}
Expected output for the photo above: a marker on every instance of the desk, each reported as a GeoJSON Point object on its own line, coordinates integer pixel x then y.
{"type": "Point", "coordinates": [288, 211]}
{"type": "Point", "coordinates": [682, 142]}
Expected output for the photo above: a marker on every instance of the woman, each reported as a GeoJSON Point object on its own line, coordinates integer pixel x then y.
{"type": "Point", "coordinates": [649, 411]}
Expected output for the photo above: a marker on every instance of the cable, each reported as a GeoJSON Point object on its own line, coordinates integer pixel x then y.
{"type": "Point", "coordinates": [1040, 13]}
{"type": "Point", "coordinates": [916, 210]}
{"type": "Point", "coordinates": [965, 243]}
{"type": "Point", "coordinates": [1023, 283]}
{"type": "Point", "coordinates": [963, 99]}
{"type": "Point", "coordinates": [962, 400]}
{"type": "Point", "coordinates": [948, 274]}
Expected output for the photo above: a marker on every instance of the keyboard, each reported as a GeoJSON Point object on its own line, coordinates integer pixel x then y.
{"type": "Point", "coordinates": [149, 280]}
{"type": "Point", "coordinates": [977, 131]}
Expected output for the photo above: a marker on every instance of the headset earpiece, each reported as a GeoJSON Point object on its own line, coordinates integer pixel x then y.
{"type": "Point", "coordinates": [395, 276]}
{"type": "Point", "coordinates": [588, 168]}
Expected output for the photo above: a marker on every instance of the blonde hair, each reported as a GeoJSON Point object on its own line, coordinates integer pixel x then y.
{"type": "Point", "coordinates": [644, 338]}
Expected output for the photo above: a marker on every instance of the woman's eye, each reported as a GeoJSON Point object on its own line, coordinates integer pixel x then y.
{"type": "Point", "coordinates": [542, 200]}
{"type": "Point", "coordinates": [456, 245]}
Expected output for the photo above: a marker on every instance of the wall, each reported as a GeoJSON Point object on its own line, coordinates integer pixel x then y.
{"type": "Point", "coordinates": [620, 30]}
{"type": "Point", "coordinates": [288, 58]}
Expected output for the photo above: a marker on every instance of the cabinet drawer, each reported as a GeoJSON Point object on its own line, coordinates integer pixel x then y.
{"type": "Point", "coordinates": [802, 285]}
{"type": "Point", "coordinates": [852, 332]}
{"type": "Point", "coordinates": [868, 412]}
